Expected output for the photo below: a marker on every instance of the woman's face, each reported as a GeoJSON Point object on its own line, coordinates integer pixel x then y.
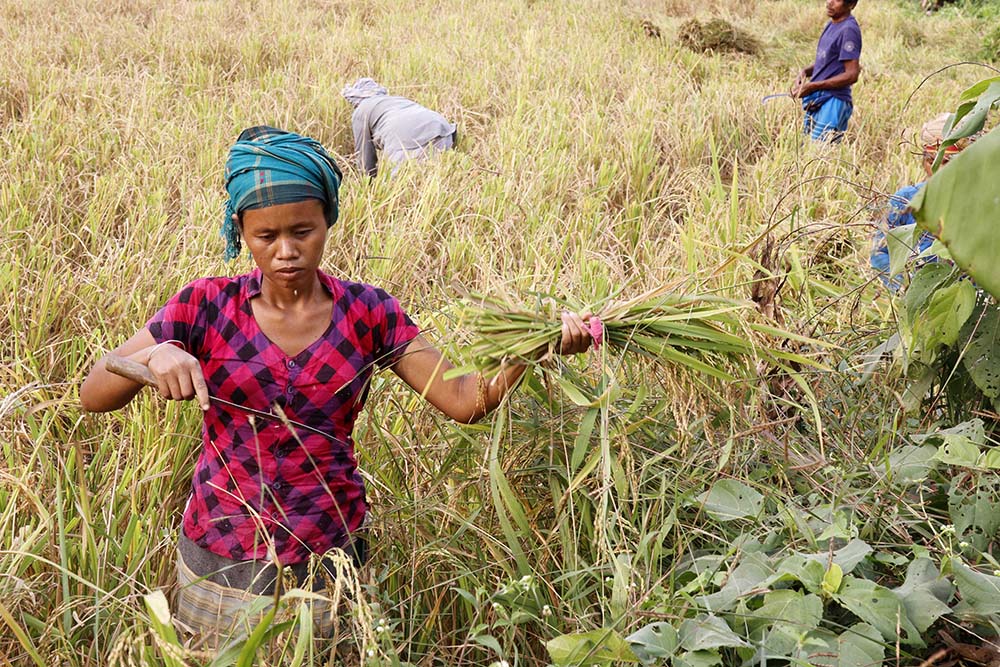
{"type": "Point", "coordinates": [286, 241]}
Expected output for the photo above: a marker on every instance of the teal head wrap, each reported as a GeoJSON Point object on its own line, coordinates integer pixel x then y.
{"type": "Point", "coordinates": [268, 166]}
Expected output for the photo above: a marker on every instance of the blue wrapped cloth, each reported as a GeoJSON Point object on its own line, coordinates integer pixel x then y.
{"type": "Point", "coordinates": [267, 167]}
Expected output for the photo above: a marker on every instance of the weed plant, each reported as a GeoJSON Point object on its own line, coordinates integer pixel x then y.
{"type": "Point", "coordinates": [595, 161]}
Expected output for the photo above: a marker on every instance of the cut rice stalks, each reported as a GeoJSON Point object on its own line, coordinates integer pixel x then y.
{"type": "Point", "coordinates": [709, 334]}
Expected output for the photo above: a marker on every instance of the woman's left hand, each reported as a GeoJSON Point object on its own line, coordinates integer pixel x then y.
{"type": "Point", "coordinates": [575, 333]}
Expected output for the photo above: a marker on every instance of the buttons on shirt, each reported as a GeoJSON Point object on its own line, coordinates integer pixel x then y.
{"type": "Point", "coordinates": [289, 390]}
{"type": "Point", "coordinates": [279, 486]}
{"type": "Point", "coordinates": [290, 363]}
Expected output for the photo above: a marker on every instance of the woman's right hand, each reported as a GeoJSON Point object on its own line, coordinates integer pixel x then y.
{"type": "Point", "coordinates": [178, 374]}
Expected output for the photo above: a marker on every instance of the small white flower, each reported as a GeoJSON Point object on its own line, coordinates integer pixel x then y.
{"type": "Point", "coordinates": [609, 580]}
{"type": "Point", "coordinates": [546, 610]}
{"type": "Point", "coordinates": [996, 573]}
{"type": "Point", "coordinates": [963, 544]}
{"type": "Point", "coordinates": [380, 628]}
{"type": "Point", "coordinates": [526, 579]}
{"type": "Point", "coordinates": [371, 653]}
{"type": "Point", "coordinates": [496, 605]}
{"type": "Point", "coordinates": [948, 529]}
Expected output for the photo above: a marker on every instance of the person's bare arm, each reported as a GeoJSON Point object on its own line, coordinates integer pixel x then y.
{"type": "Point", "coordinates": [467, 398]}
{"type": "Point", "coordinates": [178, 375]}
{"type": "Point", "coordinates": [852, 70]}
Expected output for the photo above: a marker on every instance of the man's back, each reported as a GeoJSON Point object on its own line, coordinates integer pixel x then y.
{"type": "Point", "coordinates": [395, 125]}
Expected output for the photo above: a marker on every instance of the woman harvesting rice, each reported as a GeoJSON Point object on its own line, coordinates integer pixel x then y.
{"type": "Point", "coordinates": [291, 338]}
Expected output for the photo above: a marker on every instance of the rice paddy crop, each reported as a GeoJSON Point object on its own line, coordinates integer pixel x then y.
{"type": "Point", "coordinates": [596, 162]}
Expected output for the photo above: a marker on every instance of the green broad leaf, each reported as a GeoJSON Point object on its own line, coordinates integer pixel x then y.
{"type": "Point", "coordinates": [991, 459]}
{"type": "Point", "coordinates": [975, 90]}
{"type": "Point", "coordinates": [981, 350]}
{"type": "Point", "coordinates": [490, 642]}
{"type": "Point", "coordinates": [654, 642]}
{"type": "Point", "coordinates": [711, 658]}
{"type": "Point", "coordinates": [924, 593]}
{"type": "Point", "coordinates": [729, 499]}
{"type": "Point", "coordinates": [960, 206]}
{"type": "Point", "coordinates": [840, 527]}
{"type": "Point", "coordinates": [980, 592]}
{"type": "Point", "coordinates": [707, 632]}
{"type": "Point", "coordinates": [805, 570]}
{"type": "Point", "coordinates": [971, 117]}
{"type": "Point", "coordinates": [974, 508]}
{"type": "Point", "coordinates": [910, 464]}
{"type": "Point", "coordinates": [597, 647]}
{"type": "Point", "coordinates": [901, 242]}
{"type": "Point", "coordinates": [785, 616]}
{"type": "Point", "coordinates": [848, 556]}
{"type": "Point", "coordinates": [751, 573]}
{"type": "Point", "coordinates": [859, 646]}
{"type": "Point", "coordinates": [811, 569]}
{"type": "Point", "coordinates": [958, 445]}
{"type": "Point", "coordinates": [880, 607]}
{"type": "Point", "coordinates": [939, 324]}
{"type": "Point", "coordinates": [832, 579]}
{"type": "Point", "coordinates": [958, 451]}
{"type": "Point", "coordinates": [927, 279]}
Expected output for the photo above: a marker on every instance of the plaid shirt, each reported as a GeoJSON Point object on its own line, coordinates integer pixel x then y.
{"type": "Point", "coordinates": [256, 482]}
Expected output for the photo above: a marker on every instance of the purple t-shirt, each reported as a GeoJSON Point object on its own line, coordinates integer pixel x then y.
{"type": "Point", "coordinates": [839, 42]}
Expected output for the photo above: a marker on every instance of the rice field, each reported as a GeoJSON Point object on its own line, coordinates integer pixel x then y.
{"type": "Point", "coordinates": [597, 160]}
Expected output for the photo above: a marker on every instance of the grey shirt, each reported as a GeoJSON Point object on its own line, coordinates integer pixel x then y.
{"type": "Point", "coordinates": [395, 125]}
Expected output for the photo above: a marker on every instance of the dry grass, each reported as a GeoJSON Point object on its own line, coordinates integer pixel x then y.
{"type": "Point", "coordinates": [593, 158]}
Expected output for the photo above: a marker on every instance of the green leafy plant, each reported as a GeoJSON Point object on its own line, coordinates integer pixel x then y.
{"type": "Point", "coordinates": [959, 204]}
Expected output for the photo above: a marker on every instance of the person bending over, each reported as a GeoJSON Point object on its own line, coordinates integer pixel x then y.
{"type": "Point", "coordinates": [400, 128]}
{"type": "Point", "coordinates": [899, 213]}
{"type": "Point", "coordinates": [289, 338]}
{"type": "Point", "coordinates": [825, 86]}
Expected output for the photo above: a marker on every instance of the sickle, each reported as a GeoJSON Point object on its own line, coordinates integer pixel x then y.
{"type": "Point", "coordinates": [138, 373]}
{"type": "Point", "coordinates": [768, 98]}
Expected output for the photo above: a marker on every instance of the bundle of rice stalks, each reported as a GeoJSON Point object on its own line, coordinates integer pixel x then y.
{"type": "Point", "coordinates": [716, 35]}
{"type": "Point", "coordinates": [710, 334]}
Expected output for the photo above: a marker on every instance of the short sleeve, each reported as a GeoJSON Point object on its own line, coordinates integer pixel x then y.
{"type": "Point", "coordinates": [850, 46]}
{"type": "Point", "coordinates": [394, 331]}
{"type": "Point", "coordinates": [181, 318]}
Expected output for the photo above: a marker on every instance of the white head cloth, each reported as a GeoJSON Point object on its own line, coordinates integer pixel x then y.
{"type": "Point", "coordinates": [362, 89]}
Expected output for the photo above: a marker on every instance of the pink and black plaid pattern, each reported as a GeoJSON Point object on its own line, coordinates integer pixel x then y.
{"type": "Point", "coordinates": [257, 482]}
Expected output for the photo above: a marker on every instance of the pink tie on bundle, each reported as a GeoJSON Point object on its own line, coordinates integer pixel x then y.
{"type": "Point", "coordinates": [596, 331]}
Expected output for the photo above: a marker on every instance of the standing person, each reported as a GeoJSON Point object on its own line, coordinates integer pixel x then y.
{"type": "Point", "coordinates": [899, 213]}
{"type": "Point", "coordinates": [399, 127]}
{"type": "Point", "coordinates": [290, 338]}
{"type": "Point", "coordinates": [825, 86]}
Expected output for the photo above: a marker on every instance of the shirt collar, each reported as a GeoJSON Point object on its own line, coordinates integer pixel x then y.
{"type": "Point", "coordinates": [254, 278]}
